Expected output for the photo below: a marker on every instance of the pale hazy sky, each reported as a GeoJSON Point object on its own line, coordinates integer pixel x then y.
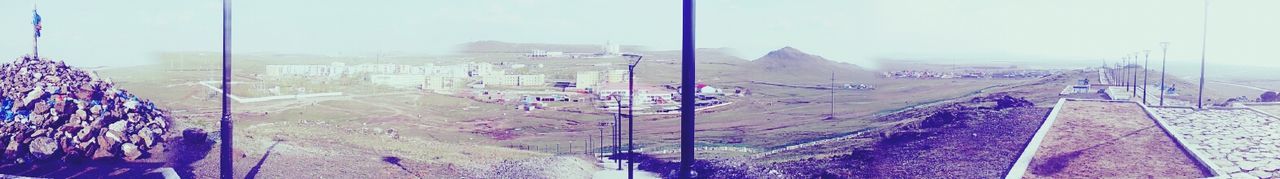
{"type": "Point", "coordinates": [1080, 31]}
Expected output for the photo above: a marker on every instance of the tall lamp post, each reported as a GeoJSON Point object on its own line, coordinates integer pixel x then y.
{"type": "Point", "coordinates": [631, 115]}
{"type": "Point", "coordinates": [225, 161]}
{"type": "Point", "coordinates": [687, 103]}
{"type": "Point", "coordinates": [1203, 43]}
{"type": "Point", "coordinates": [1145, 74]}
{"type": "Point", "coordinates": [1124, 72]}
{"type": "Point", "coordinates": [1120, 71]}
{"type": "Point", "coordinates": [1164, 46]}
{"type": "Point", "coordinates": [1134, 76]}
{"type": "Point", "coordinates": [617, 133]}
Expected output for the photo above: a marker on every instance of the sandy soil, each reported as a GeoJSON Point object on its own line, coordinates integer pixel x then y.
{"type": "Point", "coordinates": [1100, 139]}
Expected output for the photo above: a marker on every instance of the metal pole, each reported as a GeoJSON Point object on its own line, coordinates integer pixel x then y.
{"type": "Point", "coordinates": [35, 39]}
{"type": "Point", "coordinates": [1203, 45]}
{"type": "Point", "coordinates": [1124, 72]}
{"type": "Point", "coordinates": [228, 171]}
{"type": "Point", "coordinates": [1134, 83]}
{"type": "Point", "coordinates": [1163, 67]}
{"type": "Point", "coordinates": [1145, 75]}
{"type": "Point", "coordinates": [631, 117]}
{"type": "Point", "coordinates": [617, 134]}
{"type": "Point", "coordinates": [601, 144]}
{"type": "Point", "coordinates": [687, 80]}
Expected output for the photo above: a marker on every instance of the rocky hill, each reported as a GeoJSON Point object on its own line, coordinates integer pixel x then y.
{"type": "Point", "coordinates": [53, 111]}
{"type": "Point", "coordinates": [791, 65]}
{"type": "Point", "coordinates": [509, 47]}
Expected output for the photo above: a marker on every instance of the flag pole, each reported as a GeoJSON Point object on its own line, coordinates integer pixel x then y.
{"type": "Point", "coordinates": [35, 36]}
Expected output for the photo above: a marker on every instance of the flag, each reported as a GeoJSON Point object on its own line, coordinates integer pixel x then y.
{"type": "Point", "coordinates": [36, 22]}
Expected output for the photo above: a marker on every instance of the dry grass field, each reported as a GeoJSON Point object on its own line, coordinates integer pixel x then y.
{"type": "Point", "coordinates": [440, 135]}
{"type": "Point", "coordinates": [1101, 139]}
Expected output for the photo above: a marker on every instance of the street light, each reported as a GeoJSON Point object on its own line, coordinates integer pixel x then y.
{"type": "Point", "coordinates": [1203, 38]}
{"type": "Point", "coordinates": [1145, 74]}
{"type": "Point", "coordinates": [1120, 67]}
{"type": "Point", "coordinates": [225, 162]}
{"type": "Point", "coordinates": [631, 106]}
{"type": "Point", "coordinates": [1163, 61]}
{"type": "Point", "coordinates": [617, 133]}
{"type": "Point", "coordinates": [1134, 83]}
{"type": "Point", "coordinates": [1124, 72]}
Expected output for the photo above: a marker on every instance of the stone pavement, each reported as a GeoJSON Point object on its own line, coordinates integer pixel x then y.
{"type": "Point", "coordinates": [1153, 99]}
{"type": "Point", "coordinates": [1118, 93]}
{"type": "Point", "coordinates": [1243, 143]}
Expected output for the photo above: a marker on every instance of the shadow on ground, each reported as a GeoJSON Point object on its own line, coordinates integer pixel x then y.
{"type": "Point", "coordinates": [181, 154]}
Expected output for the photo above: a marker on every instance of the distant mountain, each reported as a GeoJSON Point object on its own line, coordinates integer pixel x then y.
{"type": "Point", "coordinates": [790, 65]}
{"type": "Point", "coordinates": [510, 47]}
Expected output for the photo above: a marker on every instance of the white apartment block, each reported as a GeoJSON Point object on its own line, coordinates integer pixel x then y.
{"type": "Point", "coordinates": [617, 76]}
{"type": "Point", "coordinates": [587, 79]}
{"type": "Point", "coordinates": [339, 70]}
{"type": "Point", "coordinates": [515, 80]}
{"type": "Point", "coordinates": [398, 81]}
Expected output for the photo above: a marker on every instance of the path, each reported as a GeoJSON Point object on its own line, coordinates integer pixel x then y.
{"type": "Point", "coordinates": [609, 171]}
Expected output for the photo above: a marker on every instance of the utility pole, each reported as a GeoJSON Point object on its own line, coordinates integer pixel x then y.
{"type": "Point", "coordinates": [832, 116]}
{"type": "Point", "coordinates": [1204, 38]}
{"type": "Point", "coordinates": [226, 164]}
{"type": "Point", "coordinates": [1163, 68]}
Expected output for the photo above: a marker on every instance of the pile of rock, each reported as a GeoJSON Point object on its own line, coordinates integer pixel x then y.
{"type": "Point", "coordinates": [973, 109]}
{"type": "Point", "coordinates": [49, 110]}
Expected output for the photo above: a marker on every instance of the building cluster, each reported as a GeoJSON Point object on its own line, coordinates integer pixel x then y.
{"type": "Point", "coordinates": [615, 95]}
{"type": "Point", "coordinates": [595, 79]}
{"type": "Point", "coordinates": [925, 74]}
{"type": "Point", "coordinates": [606, 51]}
{"type": "Point", "coordinates": [430, 76]}
{"type": "Point", "coordinates": [341, 70]}
{"type": "Point", "coordinates": [859, 86]}
{"type": "Point", "coordinates": [53, 111]}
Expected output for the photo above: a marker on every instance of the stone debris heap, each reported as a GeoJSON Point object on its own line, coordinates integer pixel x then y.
{"type": "Point", "coordinates": [52, 111]}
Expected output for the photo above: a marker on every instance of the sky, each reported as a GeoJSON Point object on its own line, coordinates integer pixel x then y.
{"type": "Point", "coordinates": [1083, 32]}
{"type": "Point", "coordinates": [1078, 31]}
{"type": "Point", "coordinates": [93, 33]}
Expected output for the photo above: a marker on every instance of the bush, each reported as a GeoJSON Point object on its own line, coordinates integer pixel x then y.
{"type": "Point", "coordinates": [1269, 96]}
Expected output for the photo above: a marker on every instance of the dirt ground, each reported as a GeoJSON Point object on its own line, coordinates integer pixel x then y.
{"type": "Point", "coordinates": [1109, 139]}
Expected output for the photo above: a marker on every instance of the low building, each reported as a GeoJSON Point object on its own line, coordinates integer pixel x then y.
{"type": "Point", "coordinates": [616, 76]}
{"type": "Point", "coordinates": [398, 81]}
{"type": "Point", "coordinates": [515, 80]}
{"type": "Point", "coordinates": [587, 79]}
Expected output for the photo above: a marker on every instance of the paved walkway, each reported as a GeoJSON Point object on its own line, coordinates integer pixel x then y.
{"type": "Point", "coordinates": [1242, 143]}
{"type": "Point", "coordinates": [609, 171]}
